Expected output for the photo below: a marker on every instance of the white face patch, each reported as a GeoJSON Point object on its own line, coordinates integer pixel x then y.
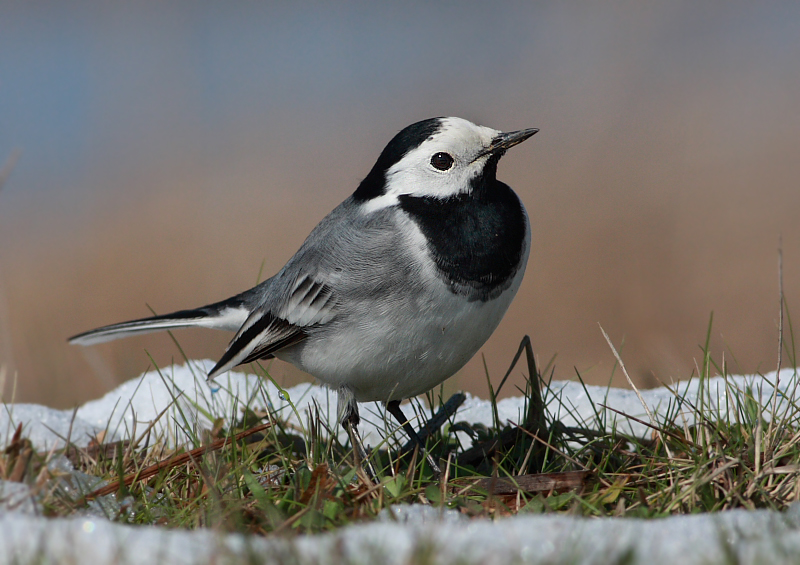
{"type": "Point", "coordinates": [414, 174]}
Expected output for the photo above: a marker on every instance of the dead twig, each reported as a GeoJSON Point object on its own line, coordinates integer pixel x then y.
{"type": "Point", "coordinates": [175, 461]}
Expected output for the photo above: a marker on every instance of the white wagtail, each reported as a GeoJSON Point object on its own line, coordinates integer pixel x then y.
{"type": "Point", "coordinates": [397, 288]}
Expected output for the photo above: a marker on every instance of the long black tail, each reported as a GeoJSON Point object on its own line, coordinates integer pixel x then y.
{"type": "Point", "coordinates": [228, 315]}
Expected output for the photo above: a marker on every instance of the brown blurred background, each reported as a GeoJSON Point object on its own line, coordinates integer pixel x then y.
{"type": "Point", "coordinates": [171, 150]}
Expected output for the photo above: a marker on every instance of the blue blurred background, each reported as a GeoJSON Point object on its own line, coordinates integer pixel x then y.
{"type": "Point", "coordinates": [171, 154]}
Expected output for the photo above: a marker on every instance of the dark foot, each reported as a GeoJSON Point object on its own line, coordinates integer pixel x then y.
{"type": "Point", "coordinates": [348, 412]}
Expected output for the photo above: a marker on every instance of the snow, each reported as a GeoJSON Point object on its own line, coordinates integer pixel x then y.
{"type": "Point", "coordinates": [190, 404]}
{"type": "Point", "coordinates": [735, 536]}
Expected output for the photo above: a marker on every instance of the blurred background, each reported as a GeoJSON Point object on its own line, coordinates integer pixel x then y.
{"type": "Point", "coordinates": [172, 154]}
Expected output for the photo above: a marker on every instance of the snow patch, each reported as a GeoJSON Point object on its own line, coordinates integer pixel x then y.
{"type": "Point", "coordinates": [402, 534]}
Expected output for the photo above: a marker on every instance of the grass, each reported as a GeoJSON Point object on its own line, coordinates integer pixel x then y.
{"type": "Point", "coordinates": [261, 471]}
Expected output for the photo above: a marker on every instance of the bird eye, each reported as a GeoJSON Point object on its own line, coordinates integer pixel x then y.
{"type": "Point", "coordinates": [442, 161]}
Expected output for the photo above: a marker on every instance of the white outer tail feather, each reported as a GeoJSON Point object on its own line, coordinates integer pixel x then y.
{"type": "Point", "coordinates": [229, 319]}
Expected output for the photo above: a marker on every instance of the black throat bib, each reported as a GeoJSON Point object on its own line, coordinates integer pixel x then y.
{"type": "Point", "coordinates": [477, 240]}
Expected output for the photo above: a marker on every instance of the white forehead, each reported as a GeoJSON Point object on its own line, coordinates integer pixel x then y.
{"type": "Point", "coordinates": [460, 136]}
{"type": "Point", "coordinates": [413, 174]}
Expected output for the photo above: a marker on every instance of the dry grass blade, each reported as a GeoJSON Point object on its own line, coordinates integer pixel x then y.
{"type": "Point", "coordinates": [95, 450]}
{"type": "Point", "coordinates": [673, 435]}
{"type": "Point", "coordinates": [153, 470]}
{"type": "Point", "coordinates": [636, 390]}
{"type": "Point", "coordinates": [780, 341]}
{"type": "Point", "coordinates": [19, 453]}
{"type": "Point", "coordinates": [539, 482]}
{"type": "Point", "coordinates": [21, 464]}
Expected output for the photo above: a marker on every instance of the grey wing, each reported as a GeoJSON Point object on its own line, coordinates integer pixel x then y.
{"type": "Point", "coordinates": [309, 302]}
{"type": "Point", "coordinates": [344, 263]}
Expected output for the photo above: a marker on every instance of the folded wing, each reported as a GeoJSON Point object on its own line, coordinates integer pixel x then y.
{"type": "Point", "coordinates": [310, 303]}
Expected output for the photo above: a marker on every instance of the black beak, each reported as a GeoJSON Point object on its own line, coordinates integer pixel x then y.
{"type": "Point", "coordinates": [505, 141]}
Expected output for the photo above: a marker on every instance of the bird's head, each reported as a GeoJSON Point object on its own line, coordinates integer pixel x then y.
{"type": "Point", "coordinates": [437, 157]}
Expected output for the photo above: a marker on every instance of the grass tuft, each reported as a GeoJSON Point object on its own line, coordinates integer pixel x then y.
{"type": "Point", "coordinates": [255, 471]}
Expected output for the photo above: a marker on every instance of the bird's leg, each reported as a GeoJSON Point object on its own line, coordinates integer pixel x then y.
{"type": "Point", "coordinates": [348, 416]}
{"type": "Point", "coordinates": [394, 409]}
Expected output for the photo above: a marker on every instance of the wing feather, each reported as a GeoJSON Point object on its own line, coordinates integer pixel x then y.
{"type": "Point", "coordinates": [261, 338]}
{"type": "Point", "coordinates": [310, 303]}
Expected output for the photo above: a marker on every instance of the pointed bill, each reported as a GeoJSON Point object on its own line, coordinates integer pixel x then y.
{"type": "Point", "coordinates": [505, 141]}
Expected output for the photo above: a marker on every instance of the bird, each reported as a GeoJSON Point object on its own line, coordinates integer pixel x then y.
{"type": "Point", "coordinates": [396, 288]}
